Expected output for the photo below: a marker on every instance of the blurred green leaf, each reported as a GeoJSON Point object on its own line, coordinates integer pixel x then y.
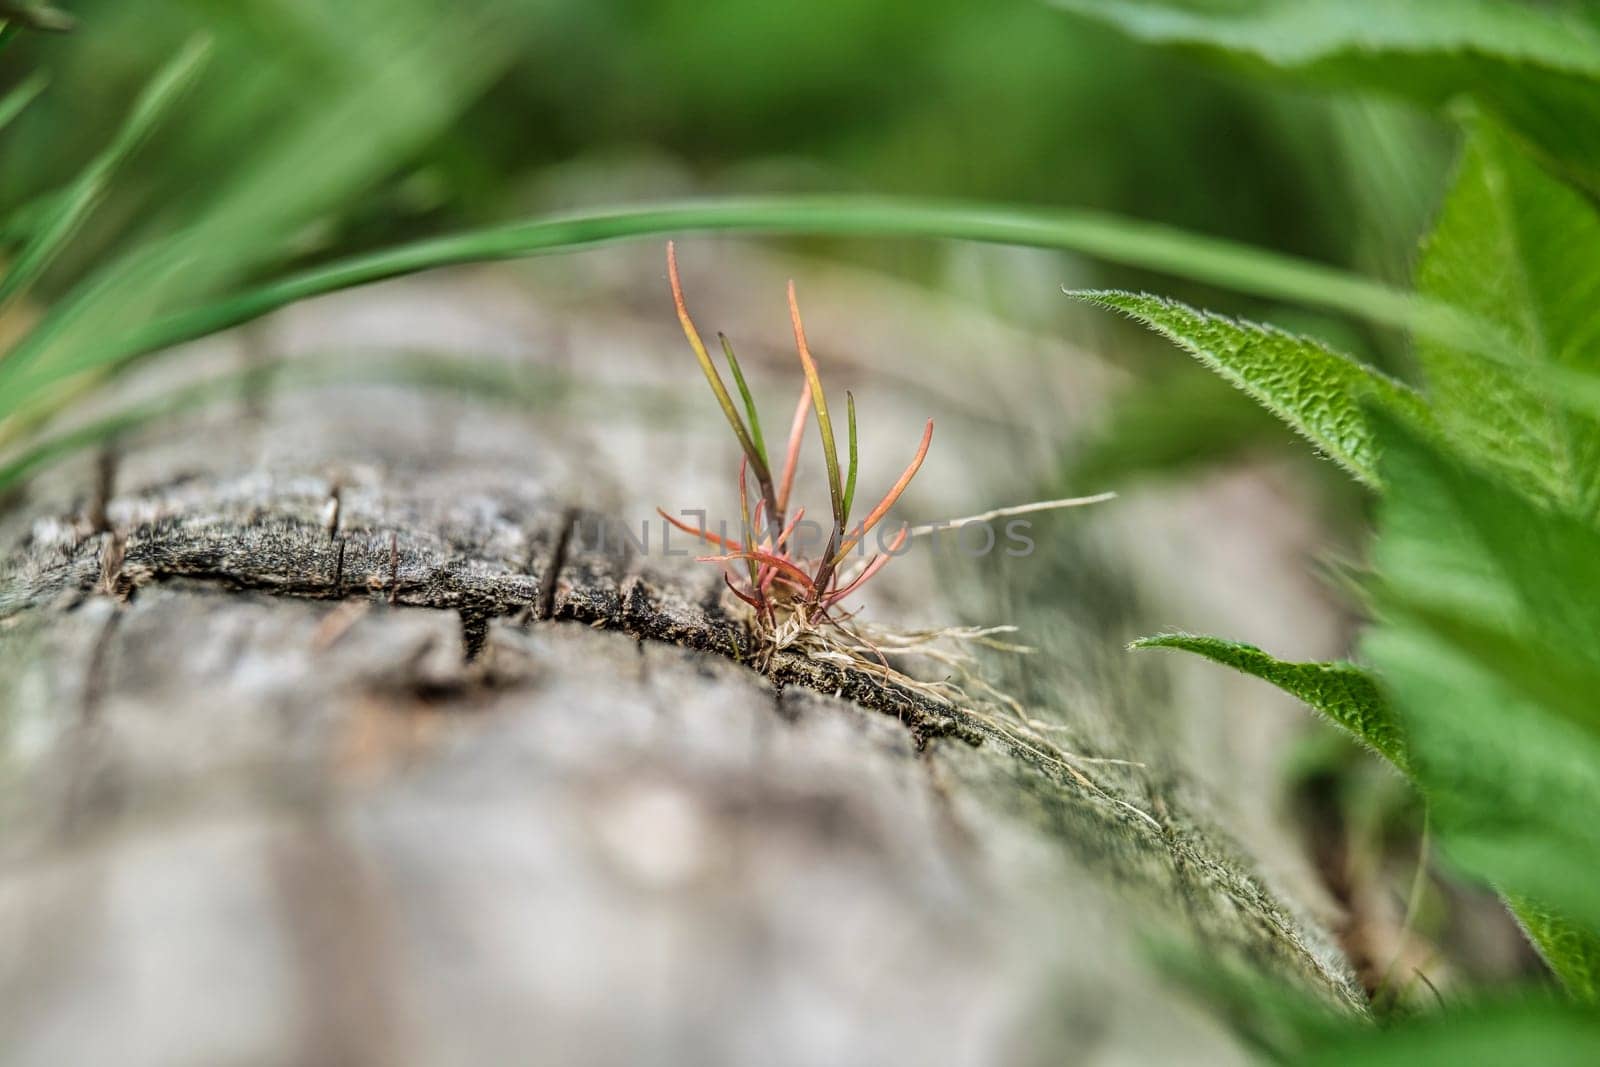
{"type": "Point", "coordinates": [1522, 251]}
{"type": "Point", "coordinates": [1503, 578]}
{"type": "Point", "coordinates": [1535, 66]}
{"type": "Point", "coordinates": [36, 16]}
{"type": "Point", "coordinates": [1317, 391]}
{"type": "Point", "coordinates": [68, 208]}
{"type": "Point", "coordinates": [1344, 692]}
{"type": "Point", "coordinates": [1487, 640]}
{"type": "Point", "coordinates": [1280, 1021]}
{"type": "Point", "coordinates": [303, 113]}
{"type": "Point", "coordinates": [1544, 1031]}
{"type": "Point", "coordinates": [20, 96]}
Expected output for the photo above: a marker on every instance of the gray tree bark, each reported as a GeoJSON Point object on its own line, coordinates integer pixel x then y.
{"type": "Point", "coordinates": [331, 738]}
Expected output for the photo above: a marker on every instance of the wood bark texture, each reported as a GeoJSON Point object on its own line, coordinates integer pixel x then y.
{"type": "Point", "coordinates": [332, 736]}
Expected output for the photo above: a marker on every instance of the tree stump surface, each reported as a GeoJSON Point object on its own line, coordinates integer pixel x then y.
{"type": "Point", "coordinates": [332, 737]}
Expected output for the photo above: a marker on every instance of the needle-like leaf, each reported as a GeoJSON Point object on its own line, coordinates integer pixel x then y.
{"type": "Point", "coordinates": [877, 564]}
{"type": "Point", "coordinates": [791, 461]}
{"type": "Point", "coordinates": [850, 474]}
{"type": "Point", "coordinates": [830, 452]}
{"type": "Point", "coordinates": [704, 535]}
{"type": "Point", "coordinates": [786, 566]}
{"type": "Point", "coordinates": [749, 401]}
{"type": "Point", "coordinates": [713, 378]}
{"type": "Point", "coordinates": [749, 532]}
{"type": "Point", "coordinates": [876, 514]}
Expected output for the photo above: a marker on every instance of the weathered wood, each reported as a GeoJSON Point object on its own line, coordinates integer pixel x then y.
{"type": "Point", "coordinates": [328, 741]}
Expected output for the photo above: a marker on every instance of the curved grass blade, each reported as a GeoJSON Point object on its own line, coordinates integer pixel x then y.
{"type": "Point", "coordinates": [876, 514]}
{"type": "Point", "coordinates": [756, 457]}
{"type": "Point", "coordinates": [70, 208]}
{"type": "Point", "coordinates": [1129, 242]}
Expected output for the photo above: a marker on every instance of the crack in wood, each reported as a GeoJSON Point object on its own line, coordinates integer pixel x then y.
{"type": "Point", "coordinates": [338, 569]}
{"type": "Point", "coordinates": [558, 560]}
{"type": "Point", "coordinates": [105, 478]}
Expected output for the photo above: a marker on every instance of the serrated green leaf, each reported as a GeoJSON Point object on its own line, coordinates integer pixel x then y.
{"type": "Point", "coordinates": [1536, 67]}
{"type": "Point", "coordinates": [1317, 391]}
{"type": "Point", "coordinates": [1344, 692]}
{"type": "Point", "coordinates": [1522, 250]}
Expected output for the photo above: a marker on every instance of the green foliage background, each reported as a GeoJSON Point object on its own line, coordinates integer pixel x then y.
{"type": "Point", "coordinates": [175, 169]}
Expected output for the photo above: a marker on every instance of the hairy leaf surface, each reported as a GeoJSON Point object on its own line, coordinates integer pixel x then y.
{"type": "Point", "coordinates": [1344, 692]}
{"type": "Point", "coordinates": [1521, 250]}
{"type": "Point", "coordinates": [1316, 390]}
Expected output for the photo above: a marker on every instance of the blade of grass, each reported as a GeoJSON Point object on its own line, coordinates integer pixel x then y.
{"type": "Point", "coordinates": [876, 564]}
{"type": "Point", "coordinates": [749, 401]}
{"type": "Point", "coordinates": [13, 103]}
{"type": "Point", "coordinates": [876, 514]}
{"type": "Point", "coordinates": [756, 458]}
{"type": "Point", "coordinates": [1111, 238]}
{"type": "Point", "coordinates": [850, 476]}
{"type": "Point", "coordinates": [704, 535]}
{"type": "Point", "coordinates": [819, 404]}
{"type": "Point", "coordinates": [754, 556]}
{"type": "Point", "coordinates": [79, 198]}
{"type": "Point", "coordinates": [749, 532]}
{"type": "Point", "coordinates": [37, 17]}
{"type": "Point", "coordinates": [791, 461]}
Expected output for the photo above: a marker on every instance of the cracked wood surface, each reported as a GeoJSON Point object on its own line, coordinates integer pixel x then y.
{"type": "Point", "coordinates": [332, 738]}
